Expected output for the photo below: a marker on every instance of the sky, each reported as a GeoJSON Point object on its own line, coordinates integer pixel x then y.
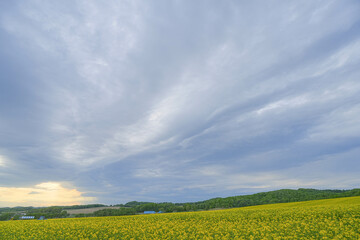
{"type": "Point", "coordinates": [176, 101]}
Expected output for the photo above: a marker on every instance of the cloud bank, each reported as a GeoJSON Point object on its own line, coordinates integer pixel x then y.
{"type": "Point", "coordinates": [43, 194]}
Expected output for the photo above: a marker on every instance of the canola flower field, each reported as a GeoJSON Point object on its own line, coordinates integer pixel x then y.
{"type": "Point", "coordinates": [321, 219]}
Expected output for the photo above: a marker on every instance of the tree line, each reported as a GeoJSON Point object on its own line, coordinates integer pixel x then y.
{"type": "Point", "coordinates": [278, 196]}
{"type": "Point", "coordinates": [134, 207]}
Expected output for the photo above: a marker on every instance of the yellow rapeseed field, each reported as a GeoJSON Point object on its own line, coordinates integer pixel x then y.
{"type": "Point", "coordinates": [323, 219]}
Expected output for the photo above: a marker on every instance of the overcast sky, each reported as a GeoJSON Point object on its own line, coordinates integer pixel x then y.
{"type": "Point", "coordinates": [114, 101]}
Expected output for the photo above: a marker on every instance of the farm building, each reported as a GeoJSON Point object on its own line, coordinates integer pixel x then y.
{"type": "Point", "coordinates": [27, 217]}
{"type": "Point", "coordinates": [149, 212]}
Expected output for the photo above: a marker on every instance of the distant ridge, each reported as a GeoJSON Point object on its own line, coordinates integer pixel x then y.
{"type": "Point", "coordinates": [277, 196]}
{"type": "Point", "coordinates": [134, 207]}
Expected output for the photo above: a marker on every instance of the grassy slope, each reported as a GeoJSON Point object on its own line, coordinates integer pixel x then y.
{"type": "Point", "coordinates": [346, 201]}
{"type": "Point", "coordinates": [88, 210]}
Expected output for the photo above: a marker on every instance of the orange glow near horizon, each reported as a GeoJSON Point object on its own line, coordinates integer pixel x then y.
{"type": "Point", "coordinates": [43, 194]}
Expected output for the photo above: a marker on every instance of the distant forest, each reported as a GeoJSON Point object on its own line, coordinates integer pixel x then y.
{"type": "Point", "coordinates": [134, 207]}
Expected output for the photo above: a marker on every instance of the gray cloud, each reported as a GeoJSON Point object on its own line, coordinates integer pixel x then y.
{"type": "Point", "coordinates": [179, 101]}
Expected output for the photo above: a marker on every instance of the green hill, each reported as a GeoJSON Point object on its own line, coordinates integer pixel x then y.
{"type": "Point", "coordinates": [134, 207]}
